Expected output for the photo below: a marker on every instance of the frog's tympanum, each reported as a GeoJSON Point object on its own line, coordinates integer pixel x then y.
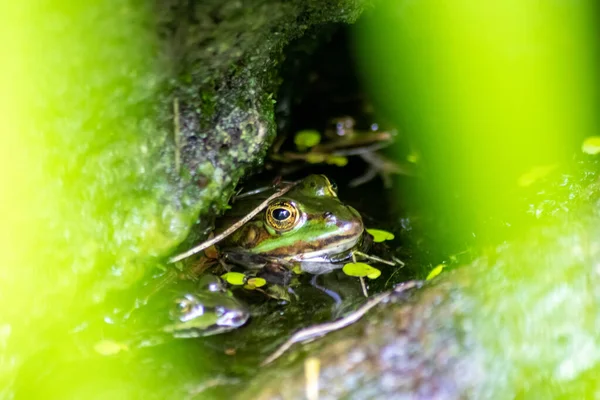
{"type": "Point", "coordinates": [307, 227]}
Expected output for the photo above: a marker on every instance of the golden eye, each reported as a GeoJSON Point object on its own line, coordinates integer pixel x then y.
{"type": "Point", "coordinates": [282, 215]}
{"type": "Point", "coordinates": [183, 306]}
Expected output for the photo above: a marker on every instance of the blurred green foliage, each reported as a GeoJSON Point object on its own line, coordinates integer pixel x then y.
{"type": "Point", "coordinates": [81, 178]}
{"type": "Point", "coordinates": [488, 90]}
{"type": "Point", "coordinates": [499, 96]}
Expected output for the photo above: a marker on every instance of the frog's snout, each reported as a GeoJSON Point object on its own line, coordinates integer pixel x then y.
{"type": "Point", "coordinates": [350, 224]}
{"type": "Point", "coordinates": [355, 213]}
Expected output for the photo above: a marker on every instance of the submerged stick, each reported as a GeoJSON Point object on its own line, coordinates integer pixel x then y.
{"type": "Point", "coordinates": [176, 131]}
{"type": "Point", "coordinates": [232, 228]}
{"type": "Point", "coordinates": [373, 258]}
{"type": "Point", "coordinates": [316, 331]}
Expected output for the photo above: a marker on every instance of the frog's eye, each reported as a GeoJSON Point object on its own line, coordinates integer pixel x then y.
{"type": "Point", "coordinates": [282, 215]}
{"type": "Point", "coordinates": [184, 305]}
{"type": "Point", "coordinates": [333, 185]}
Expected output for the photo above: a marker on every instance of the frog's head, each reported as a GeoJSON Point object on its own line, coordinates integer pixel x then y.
{"type": "Point", "coordinates": [308, 223]}
{"type": "Point", "coordinates": [209, 310]}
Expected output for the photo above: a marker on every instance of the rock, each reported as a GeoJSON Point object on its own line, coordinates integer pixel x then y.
{"type": "Point", "coordinates": [521, 321]}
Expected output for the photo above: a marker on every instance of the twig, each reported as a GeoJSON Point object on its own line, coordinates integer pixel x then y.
{"type": "Point", "coordinates": [255, 191]}
{"type": "Point", "coordinates": [363, 286]}
{"type": "Point", "coordinates": [233, 227]}
{"type": "Point", "coordinates": [176, 130]}
{"type": "Point", "coordinates": [374, 258]}
{"type": "Point", "coordinates": [321, 330]}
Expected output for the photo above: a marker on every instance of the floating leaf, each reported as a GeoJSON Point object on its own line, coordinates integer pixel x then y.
{"type": "Point", "coordinates": [307, 139]}
{"type": "Point", "coordinates": [257, 282]}
{"type": "Point", "coordinates": [379, 235]}
{"type": "Point", "coordinates": [297, 269]}
{"type": "Point", "coordinates": [178, 266]}
{"type": "Point", "coordinates": [413, 157]}
{"type": "Point", "coordinates": [234, 278]}
{"type": "Point", "coordinates": [211, 252]}
{"type": "Point", "coordinates": [340, 161]}
{"type": "Point", "coordinates": [109, 347]}
{"type": "Point", "coordinates": [534, 174]}
{"type": "Point", "coordinates": [435, 272]}
{"type": "Point", "coordinates": [591, 145]}
{"type": "Point", "coordinates": [361, 270]}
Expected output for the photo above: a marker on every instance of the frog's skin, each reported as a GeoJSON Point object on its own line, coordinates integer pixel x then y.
{"type": "Point", "coordinates": [309, 226]}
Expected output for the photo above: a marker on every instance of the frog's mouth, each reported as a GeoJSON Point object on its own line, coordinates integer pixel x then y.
{"type": "Point", "coordinates": [325, 253]}
{"type": "Point", "coordinates": [342, 251]}
{"type": "Point", "coordinates": [317, 266]}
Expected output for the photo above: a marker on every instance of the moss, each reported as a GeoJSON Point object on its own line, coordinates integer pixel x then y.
{"type": "Point", "coordinates": [226, 55]}
{"type": "Point", "coordinates": [96, 201]}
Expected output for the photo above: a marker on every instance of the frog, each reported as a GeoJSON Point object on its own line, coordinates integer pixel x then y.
{"type": "Point", "coordinates": [181, 310]}
{"type": "Point", "coordinates": [308, 228]}
{"type": "Point", "coordinates": [209, 310]}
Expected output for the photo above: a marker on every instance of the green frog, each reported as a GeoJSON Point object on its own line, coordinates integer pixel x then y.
{"type": "Point", "coordinates": [184, 309]}
{"type": "Point", "coordinates": [209, 310]}
{"type": "Point", "coordinates": [308, 227]}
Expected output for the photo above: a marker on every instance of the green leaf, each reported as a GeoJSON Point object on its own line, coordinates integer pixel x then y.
{"type": "Point", "coordinates": [340, 161]}
{"type": "Point", "coordinates": [379, 235]}
{"type": "Point", "coordinates": [435, 272]}
{"type": "Point", "coordinates": [108, 347]}
{"type": "Point", "coordinates": [307, 139]}
{"type": "Point", "coordinates": [257, 282]}
{"type": "Point", "coordinates": [361, 270]}
{"type": "Point", "coordinates": [234, 278]}
{"type": "Point", "coordinates": [591, 145]}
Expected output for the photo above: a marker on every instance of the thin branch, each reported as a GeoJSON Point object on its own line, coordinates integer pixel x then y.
{"type": "Point", "coordinates": [316, 331]}
{"type": "Point", "coordinates": [176, 131]}
{"type": "Point", "coordinates": [363, 286]}
{"type": "Point", "coordinates": [233, 227]}
{"type": "Point", "coordinates": [374, 258]}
